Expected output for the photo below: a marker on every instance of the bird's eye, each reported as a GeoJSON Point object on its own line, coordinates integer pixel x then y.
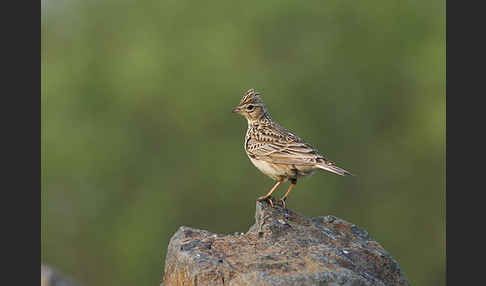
{"type": "Point", "coordinates": [250, 107]}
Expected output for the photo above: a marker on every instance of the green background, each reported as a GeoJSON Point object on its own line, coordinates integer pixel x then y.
{"type": "Point", "coordinates": [138, 137]}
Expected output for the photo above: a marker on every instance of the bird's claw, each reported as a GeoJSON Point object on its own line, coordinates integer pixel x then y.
{"type": "Point", "coordinates": [282, 201]}
{"type": "Point", "coordinates": [268, 199]}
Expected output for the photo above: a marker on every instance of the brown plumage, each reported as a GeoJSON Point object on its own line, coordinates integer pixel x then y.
{"type": "Point", "coordinates": [275, 151]}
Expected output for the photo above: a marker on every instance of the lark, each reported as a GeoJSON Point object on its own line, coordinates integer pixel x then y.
{"type": "Point", "coordinates": [277, 152]}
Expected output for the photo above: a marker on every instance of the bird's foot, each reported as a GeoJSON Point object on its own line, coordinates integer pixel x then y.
{"type": "Point", "coordinates": [266, 198]}
{"type": "Point", "coordinates": [282, 201]}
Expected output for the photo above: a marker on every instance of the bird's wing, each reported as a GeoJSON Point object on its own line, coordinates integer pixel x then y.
{"type": "Point", "coordinates": [280, 146]}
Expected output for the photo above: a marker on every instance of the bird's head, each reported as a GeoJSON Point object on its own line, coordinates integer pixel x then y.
{"type": "Point", "coordinates": [251, 106]}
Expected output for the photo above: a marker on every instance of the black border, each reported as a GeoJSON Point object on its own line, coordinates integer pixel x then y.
{"type": "Point", "coordinates": [20, 137]}
{"type": "Point", "coordinates": [464, 126]}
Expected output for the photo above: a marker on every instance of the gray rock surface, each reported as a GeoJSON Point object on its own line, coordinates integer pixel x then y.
{"type": "Point", "coordinates": [281, 248]}
{"type": "Point", "coordinates": [50, 277]}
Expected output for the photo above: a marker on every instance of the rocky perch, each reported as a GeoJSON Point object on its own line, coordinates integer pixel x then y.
{"type": "Point", "coordinates": [281, 248]}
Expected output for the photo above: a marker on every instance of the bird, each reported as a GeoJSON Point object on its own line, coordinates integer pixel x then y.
{"type": "Point", "coordinates": [276, 151]}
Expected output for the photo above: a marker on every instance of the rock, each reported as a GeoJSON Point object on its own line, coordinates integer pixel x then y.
{"type": "Point", "coordinates": [281, 248]}
{"type": "Point", "coordinates": [50, 277]}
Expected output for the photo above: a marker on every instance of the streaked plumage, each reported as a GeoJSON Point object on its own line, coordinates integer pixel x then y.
{"type": "Point", "coordinates": [274, 150]}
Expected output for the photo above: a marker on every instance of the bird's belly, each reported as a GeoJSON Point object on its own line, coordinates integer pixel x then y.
{"type": "Point", "coordinates": [269, 169]}
{"type": "Point", "coordinates": [276, 171]}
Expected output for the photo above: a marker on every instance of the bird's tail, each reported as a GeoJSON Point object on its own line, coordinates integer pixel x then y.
{"type": "Point", "coordinates": [333, 169]}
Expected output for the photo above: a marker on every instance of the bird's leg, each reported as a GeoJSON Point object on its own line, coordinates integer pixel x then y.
{"type": "Point", "coordinates": [293, 182]}
{"type": "Point", "coordinates": [264, 198]}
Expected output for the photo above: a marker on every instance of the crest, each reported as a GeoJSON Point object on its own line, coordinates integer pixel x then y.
{"type": "Point", "coordinates": [251, 96]}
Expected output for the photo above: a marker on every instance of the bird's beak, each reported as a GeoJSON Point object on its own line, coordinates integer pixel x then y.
{"type": "Point", "coordinates": [236, 110]}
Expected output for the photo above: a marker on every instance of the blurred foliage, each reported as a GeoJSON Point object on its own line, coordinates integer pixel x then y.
{"type": "Point", "coordinates": [140, 138]}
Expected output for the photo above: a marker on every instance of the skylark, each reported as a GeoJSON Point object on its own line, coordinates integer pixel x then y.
{"type": "Point", "coordinates": [275, 151]}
